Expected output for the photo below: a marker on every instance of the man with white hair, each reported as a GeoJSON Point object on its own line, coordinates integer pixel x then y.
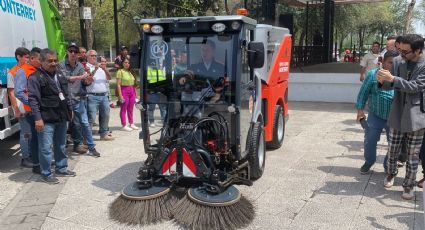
{"type": "Point", "coordinates": [98, 96]}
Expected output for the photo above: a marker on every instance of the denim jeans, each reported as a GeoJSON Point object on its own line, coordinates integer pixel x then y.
{"type": "Point", "coordinates": [53, 135]}
{"type": "Point", "coordinates": [372, 136]}
{"type": "Point", "coordinates": [25, 137]}
{"type": "Point", "coordinates": [153, 99]}
{"type": "Point", "coordinates": [81, 126]}
{"type": "Point", "coordinates": [34, 139]}
{"type": "Point", "coordinates": [101, 104]}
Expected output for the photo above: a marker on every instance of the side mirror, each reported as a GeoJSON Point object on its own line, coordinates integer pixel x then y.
{"type": "Point", "coordinates": [255, 55]}
{"type": "Point", "coordinates": [135, 56]}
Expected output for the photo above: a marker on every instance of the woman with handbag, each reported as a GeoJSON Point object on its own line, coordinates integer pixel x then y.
{"type": "Point", "coordinates": [126, 88]}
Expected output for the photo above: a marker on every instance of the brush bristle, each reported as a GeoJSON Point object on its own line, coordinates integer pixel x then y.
{"type": "Point", "coordinates": [196, 216]}
{"type": "Point", "coordinates": [142, 212]}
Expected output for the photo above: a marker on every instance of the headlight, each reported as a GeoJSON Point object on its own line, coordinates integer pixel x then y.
{"type": "Point", "coordinates": [157, 29]}
{"type": "Point", "coordinates": [218, 27]}
{"type": "Point", "coordinates": [146, 27]}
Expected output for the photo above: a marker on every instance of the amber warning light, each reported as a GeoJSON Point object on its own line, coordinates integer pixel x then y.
{"type": "Point", "coordinates": [242, 11]}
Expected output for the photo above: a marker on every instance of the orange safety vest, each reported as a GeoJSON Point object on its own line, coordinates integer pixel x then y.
{"type": "Point", "coordinates": [28, 69]}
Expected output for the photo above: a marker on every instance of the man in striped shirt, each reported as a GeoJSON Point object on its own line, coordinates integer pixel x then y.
{"type": "Point", "coordinates": [379, 102]}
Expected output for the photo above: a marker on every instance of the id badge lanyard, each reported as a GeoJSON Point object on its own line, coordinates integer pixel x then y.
{"type": "Point", "coordinates": [60, 94]}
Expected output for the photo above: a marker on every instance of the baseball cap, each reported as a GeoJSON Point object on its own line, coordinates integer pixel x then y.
{"type": "Point", "coordinates": [72, 45]}
{"type": "Point", "coordinates": [124, 48]}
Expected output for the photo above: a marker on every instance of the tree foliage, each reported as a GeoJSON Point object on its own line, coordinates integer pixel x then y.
{"type": "Point", "coordinates": [364, 23]}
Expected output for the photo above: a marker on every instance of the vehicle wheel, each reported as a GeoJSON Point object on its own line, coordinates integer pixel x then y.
{"type": "Point", "coordinates": [257, 151]}
{"type": "Point", "coordinates": [278, 129]}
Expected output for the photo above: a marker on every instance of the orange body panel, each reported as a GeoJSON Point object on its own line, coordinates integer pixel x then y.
{"type": "Point", "coordinates": [275, 89]}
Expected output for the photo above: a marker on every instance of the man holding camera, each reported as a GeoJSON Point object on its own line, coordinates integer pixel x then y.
{"type": "Point", "coordinates": [78, 78]}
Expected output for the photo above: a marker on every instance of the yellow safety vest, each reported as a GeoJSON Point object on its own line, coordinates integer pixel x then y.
{"type": "Point", "coordinates": [155, 75]}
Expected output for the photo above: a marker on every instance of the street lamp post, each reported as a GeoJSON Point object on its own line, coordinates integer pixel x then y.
{"type": "Point", "coordinates": [117, 39]}
{"type": "Point", "coordinates": [82, 24]}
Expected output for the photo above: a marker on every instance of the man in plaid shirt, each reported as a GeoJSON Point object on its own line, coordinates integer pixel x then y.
{"type": "Point", "coordinates": [379, 109]}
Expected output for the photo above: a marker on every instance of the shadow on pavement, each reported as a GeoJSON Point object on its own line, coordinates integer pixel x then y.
{"type": "Point", "coordinates": [116, 180]}
{"type": "Point", "coordinates": [375, 188]}
{"type": "Point", "coordinates": [356, 146]}
{"type": "Point", "coordinates": [350, 122]}
{"type": "Point", "coordinates": [10, 154]}
{"type": "Point", "coordinates": [354, 130]}
{"type": "Point", "coordinates": [354, 157]}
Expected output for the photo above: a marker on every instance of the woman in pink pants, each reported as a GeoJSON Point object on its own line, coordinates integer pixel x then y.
{"type": "Point", "coordinates": [126, 87]}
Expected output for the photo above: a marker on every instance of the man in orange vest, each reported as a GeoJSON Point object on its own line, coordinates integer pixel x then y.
{"type": "Point", "coordinates": [22, 56]}
{"type": "Point", "coordinates": [21, 93]}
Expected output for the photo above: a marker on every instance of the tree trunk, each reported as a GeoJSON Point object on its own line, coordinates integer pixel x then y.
{"type": "Point", "coordinates": [302, 37]}
{"type": "Point", "coordinates": [226, 7]}
{"type": "Point", "coordinates": [409, 15]}
{"type": "Point", "coordinates": [361, 39]}
{"type": "Point", "coordinates": [89, 33]}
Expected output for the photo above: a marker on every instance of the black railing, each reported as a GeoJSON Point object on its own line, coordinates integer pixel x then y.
{"type": "Point", "coordinates": [307, 55]}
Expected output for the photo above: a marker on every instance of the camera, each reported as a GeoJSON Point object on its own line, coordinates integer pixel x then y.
{"type": "Point", "coordinates": [363, 122]}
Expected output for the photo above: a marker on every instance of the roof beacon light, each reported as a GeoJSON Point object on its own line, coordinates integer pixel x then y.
{"type": "Point", "coordinates": [157, 29]}
{"type": "Point", "coordinates": [146, 27]}
{"type": "Point", "coordinates": [218, 27]}
{"type": "Point", "coordinates": [235, 25]}
{"type": "Point", "coordinates": [242, 11]}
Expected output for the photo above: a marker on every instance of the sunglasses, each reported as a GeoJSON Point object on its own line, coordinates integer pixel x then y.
{"type": "Point", "coordinates": [73, 51]}
{"type": "Point", "coordinates": [405, 52]}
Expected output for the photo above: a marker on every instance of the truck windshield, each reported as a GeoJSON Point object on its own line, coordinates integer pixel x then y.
{"type": "Point", "coordinates": [190, 69]}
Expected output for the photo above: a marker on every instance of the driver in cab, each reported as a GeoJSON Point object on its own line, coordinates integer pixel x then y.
{"type": "Point", "coordinates": [208, 70]}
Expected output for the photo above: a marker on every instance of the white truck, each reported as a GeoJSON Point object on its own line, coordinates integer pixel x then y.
{"type": "Point", "coordinates": [24, 23]}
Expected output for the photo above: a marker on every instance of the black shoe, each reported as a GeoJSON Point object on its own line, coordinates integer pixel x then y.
{"type": "Point", "coordinates": [50, 179]}
{"type": "Point", "coordinates": [365, 169]}
{"type": "Point", "coordinates": [36, 169]}
{"type": "Point", "coordinates": [26, 163]}
{"type": "Point", "coordinates": [94, 152]}
{"type": "Point", "coordinates": [67, 173]}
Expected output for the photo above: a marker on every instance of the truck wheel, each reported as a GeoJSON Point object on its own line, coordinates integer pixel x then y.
{"type": "Point", "coordinates": [257, 151]}
{"type": "Point", "coordinates": [278, 129]}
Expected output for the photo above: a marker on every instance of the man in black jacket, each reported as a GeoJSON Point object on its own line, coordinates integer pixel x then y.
{"type": "Point", "coordinates": [51, 108]}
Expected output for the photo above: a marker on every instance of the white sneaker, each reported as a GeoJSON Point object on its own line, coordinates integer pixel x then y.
{"type": "Point", "coordinates": [126, 128]}
{"type": "Point", "coordinates": [152, 125]}
{"type": "Point", "coordinates": [389, 181]}
{"type": "Point", "coordinates": [133, 126]}
{"type": "Point", "coordinates": [408, 193]}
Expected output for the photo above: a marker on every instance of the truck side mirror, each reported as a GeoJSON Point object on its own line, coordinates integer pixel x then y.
{"type": "Point", "coordinates": [135, 56]}
{"type": "Point", "coordinates": [255, 55]}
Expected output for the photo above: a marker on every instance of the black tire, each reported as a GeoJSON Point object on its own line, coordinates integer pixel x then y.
{"type": "Point", "coordinates": [257, 151]}
{"type": "Point", "coordinates": [278, 129]}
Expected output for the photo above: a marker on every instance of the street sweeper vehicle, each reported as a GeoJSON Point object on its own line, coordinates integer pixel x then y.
{"type": "Point", "coordinates": [220, 84]}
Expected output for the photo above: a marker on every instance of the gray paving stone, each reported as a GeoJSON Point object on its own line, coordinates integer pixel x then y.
{"type": "Point", "coordinates": [54, 224]}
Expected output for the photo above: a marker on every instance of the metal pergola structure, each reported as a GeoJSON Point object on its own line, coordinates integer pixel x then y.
{"type": "Point", "coordinates": [324, 52]}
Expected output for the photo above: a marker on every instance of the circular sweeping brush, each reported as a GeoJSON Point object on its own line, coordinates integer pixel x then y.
{"type": "Point", "coordinates": [202, 210]}
{"type": "Point", "coordinates": [143, 206]}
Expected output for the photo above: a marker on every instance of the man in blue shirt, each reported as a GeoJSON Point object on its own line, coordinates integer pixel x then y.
{"type": "Point", "coordinates": [379, 109]}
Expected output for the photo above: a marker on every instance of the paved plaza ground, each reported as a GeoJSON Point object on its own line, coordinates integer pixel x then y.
{"type": "Point", "coordinates": [312, 182]}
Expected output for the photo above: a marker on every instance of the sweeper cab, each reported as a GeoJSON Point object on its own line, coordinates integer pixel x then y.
{"type": "Point", "coordinates": [213, 97]}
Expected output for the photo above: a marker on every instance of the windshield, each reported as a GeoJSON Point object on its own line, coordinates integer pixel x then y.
{"type": "Point", "coordinates": [176, 66]}
{"type": "Point", "coordinates": [188, 78]}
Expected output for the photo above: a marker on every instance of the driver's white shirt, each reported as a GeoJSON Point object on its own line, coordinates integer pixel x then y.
{"type": "Point", "coordinates": [207, 65]}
